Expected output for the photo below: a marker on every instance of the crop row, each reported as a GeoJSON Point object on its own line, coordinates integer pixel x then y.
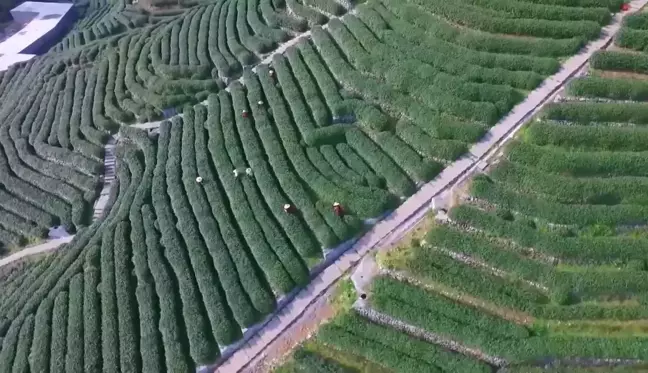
{"type": "Point", "coordinates": [594, 250]}
{"type": "Point", "coordinates": [392, 349]}
{"type": "Point", "coordinates": [584, 284]}
{"type": "Point", "coordinates": [608, 88]}
{"type": "Point", "coordinates": [513, 349]}
{"type": "Point", "coordinates": [511, 17]}
{"type": "Point", "coordinates": [604, 209]}
{"type": "Point", "coordinates": [410, 302]}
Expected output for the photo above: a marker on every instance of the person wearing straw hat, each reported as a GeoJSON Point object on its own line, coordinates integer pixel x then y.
{"type": "Point", "coordinates": [337, 209]}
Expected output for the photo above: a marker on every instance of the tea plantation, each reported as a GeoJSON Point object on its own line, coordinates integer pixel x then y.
{"type": "Point", "coordinates": [541, 264]}
{"type": "Point", "coordinates": [196, 244]}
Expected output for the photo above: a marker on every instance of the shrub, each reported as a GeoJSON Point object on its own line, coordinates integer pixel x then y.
{"type": "Point", "coordinates": [358, 165]}
{"type": "Point", "coordinates": [243, 312]}
{"type": "Point", "coordinates": [410, 35]}
{"type": "Point", "coordinates": [585, 250]}
{"type": "Point", "coordinates": [258, 42]}
{"type": "Point", "coordinates": [310, 362]}
{"type": "Point", "coordinates": [272, 33]}
{"type": "Point", "coordinates": [621, 61]}
{"type": "Point", "coordinates": [485, 21]}
{"type": "Point", "coordinates": [430, 311]}
{"type": "Point", "coordinates": [91, 320]}
{"type": "Point", "coordinates": [337, 163]}
{"type": "Point", "coordinates": [548, 11]}
{"type": "Point", "coordinates": [59, 331]}
{"type": "Point", "coordinates": [280, 160]}
{"type": "Point", "coordinates": [278, 19]}
{"type": "Point", "coordinates": [391, 348]}
{"type": "Point", "coordinates": [277, 275]}
{"type": "Point", "coordinates": [39, 355]}
{"type": "Point", "coordinates": [169, 326]}
{"type": "Point", "coordinates": [505, 214]}
{"type": "Point", "coordinates": [129, 359]}
{"type": "Point", "coordinates": [324, 80]}
{"type": "Point", "coordinates": [74, 351]}
{"type": "Point", "coordinates": [589, 137]}
{"type": "Point", "coordinates": [309, 14]}
{"type": "Point", "coordinates": [201, 348]}
{"type": "Point", "coordinates": [616, 89]}
{"type": "Point", "coordinates": [578, 163]}
{"type": "Point", "coordinates": [389, 100]}
{"type": "Point", "coordinates": [636, 265]}
{"type": "Point", "coordinates": [418, 169]}
{"type": "Point", "coordinates": [478, 40]}
{"type": "Point", "coordinates": [228, 28]}
{"type": "Point", "coordinates": [637, 21]}
{"type": "Point", "coordinates": [20, 363]}
{"type": "Point", "coordinates": [562, 296]}
{"type": "Point", "coordinates": [632, 39]}
{"type": "Point", "coordinates": [367, 149]}
{"type": "Point", "coordinates": [309, 88]}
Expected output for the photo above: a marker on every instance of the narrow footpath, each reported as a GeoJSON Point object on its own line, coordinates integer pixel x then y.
{"type": "Point", "coordinates": [414, 208]}
{"type": "Point", "coordinates": [110, 163]}
{"type": "Point", "coordinates": [49, 245]}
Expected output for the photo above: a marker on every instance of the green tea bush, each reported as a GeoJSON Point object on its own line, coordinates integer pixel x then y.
{"type": "Point", "coordinates": [431, 311]}
{"type": "Point", "coordinates": [549, 12]}
{"type": "Point", "coordinates": [391, 348]}
{"type": "Point", "coordinates": [632, 39]}
{"type": "Point", "coordinates": [616, 89]}
{"type": "Point", "coordinates": [476, 18]}
{"type": "Point", "coordinates": [637, 21]}
{"type": "Point", "coordinates": [621, 61]}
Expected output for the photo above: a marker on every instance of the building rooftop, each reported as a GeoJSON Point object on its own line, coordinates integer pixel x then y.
{"type": "Point", "coordinates": [10, 59]}
{"type": "Point", "coordinates": [37, 20]}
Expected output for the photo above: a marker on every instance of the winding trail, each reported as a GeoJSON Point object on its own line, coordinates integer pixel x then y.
{"type": "Point", "coordinates": [406, 216]}
{"type": "Point", "coordinates": [49, 245]}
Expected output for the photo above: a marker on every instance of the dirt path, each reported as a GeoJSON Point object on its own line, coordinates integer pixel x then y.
{"type": "Point", "coordinates": [301, 330]}
{"type": "Point", "coordinates": [37, 249]}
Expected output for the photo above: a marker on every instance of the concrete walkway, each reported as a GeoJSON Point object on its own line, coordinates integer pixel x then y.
{"type": "Point", "coordinates": [37, 249]}
{"type": "Point", "coordinates": [110, 162]}
{"type": "Point", "coordinates": [415, 208]}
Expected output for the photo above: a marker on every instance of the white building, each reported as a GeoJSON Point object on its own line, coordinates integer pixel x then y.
{"type": "Point", "coordinates": [42, 25]}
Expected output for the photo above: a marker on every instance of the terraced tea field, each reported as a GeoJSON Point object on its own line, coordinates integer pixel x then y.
{"type": "Point", "coordinates": [542, 261]}
{"type": "Point", "coordinates": [195, 245]}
